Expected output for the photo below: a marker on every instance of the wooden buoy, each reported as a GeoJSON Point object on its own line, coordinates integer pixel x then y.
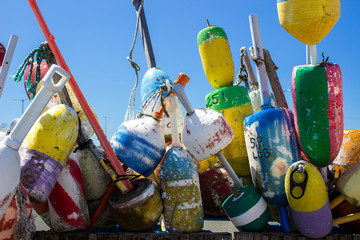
{"type": "Point", "coordinates": [139, 144]}
{"type": "Point", "coordinates": [179, 179]}
{"type": "Point", "coordinates": [270, 138]}
{"type": "Point", "coordinates": [308, 21]}
{"type": "Point", "coordinates": [151, 100]}
{"type": "Point", "coordinates": [234, 103]}
{"type": "Point", "coordinates": [214, 185]}
{"type": "Point", "coordinates": [138, 210]}
{"type": "Point", "coordinates": [349, 152]}
{"type": "Point", "coordinates": [67, 201]}
{"type": "Point", "coordinates": [216, 56]}
{"type": "Point", "coordinates": [9, 155]}
{"type": "Point", "coordinates": [45, 150]}
{"type": "Point", "coordinates": [308, 200]}
{"type": "Point", "coordinates": [318, 112]}
{"type": "Point", "coordinates": [96, 179]}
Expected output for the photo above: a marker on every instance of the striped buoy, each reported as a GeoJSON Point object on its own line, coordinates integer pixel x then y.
{"type": "Point", "coordinates": [67, 202]}
{"type": "Point", "coordinates": [11, 226]}
{"type": "Point", "coordinates": [272, 147]}
{"type": "Point", "coordinates": [308, 200]}
{"type": "Point", "coordinates": [138, 210]}
{"type": "Point", "coordinates": [234, 103]}
{"type": "Point", "coordinates": [42, 209]}
{"type": "Point", "coordinates": [151, 100]}
{"type": "Point", "coordinates": [318, 111]}
{"type": "Point", "coordinates": [139, 144]}
{"type": "Point", "coordinates": [181, 195]}
{"type": "Point", "coordinates": [308, 21]}
{"type": "Point", "coordinates": [96, 179]}
{"type": "Point", "coordinates": [248, 211]}
{"type": "Point", "coordinates": [216, 56]}
{"type": "Point", "coordinates": [46, 149]}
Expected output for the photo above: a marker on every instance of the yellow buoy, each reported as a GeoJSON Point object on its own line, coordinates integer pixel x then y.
{"type": "Point", "coordinates": [309, 21]}
{"type": "Point", "coordinates": [216, 56]}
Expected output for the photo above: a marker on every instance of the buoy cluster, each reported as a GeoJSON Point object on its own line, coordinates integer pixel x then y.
{"type": "Point", "coordinates": [241, 156]}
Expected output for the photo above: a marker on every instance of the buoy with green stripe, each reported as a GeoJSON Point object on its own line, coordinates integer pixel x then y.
{"type": "Point", "coordinates": [234, 103]}
{"type": "Point", "coordinates": [308, 200]}
{"type": "Point", "coordinates": [318, 111]}
{"type": "Point", "coordinates": [308, 21]}
{"type": "Point", "coordinates": [216, 56]}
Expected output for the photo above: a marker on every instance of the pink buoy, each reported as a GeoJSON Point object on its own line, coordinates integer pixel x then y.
{"type": "Point", "coordinates": [67, 202]}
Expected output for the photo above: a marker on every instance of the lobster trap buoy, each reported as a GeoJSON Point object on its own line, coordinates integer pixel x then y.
{"type": "Point", "coordinates": [318, 112]}
{"type": "Point", "coordinates": [308, 200]}
{"type": "Point", "coordinates": [139, 144]}
{"type": "Point", "coordinates": [151, 94]}
{"type": "Point", "coordinates": [45, 150]}
{"type": "Point", "coordinates": [67, 202]}
{"type": "Point", "coordinates": [216, 56]}
{"type": "Point", "coordinates": [138, 210]}
{"type": "Point", "coordinates": [234, 103]}
{"type": "Point", "coordinates": [308, 21]}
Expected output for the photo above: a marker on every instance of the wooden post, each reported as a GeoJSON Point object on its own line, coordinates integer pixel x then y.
{"type": "Point", "coordinates": [144, 31]}
{"type": "Point", "coordinates": [274, 80]}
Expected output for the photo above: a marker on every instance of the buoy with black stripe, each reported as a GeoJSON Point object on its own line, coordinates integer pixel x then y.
{"type": "Point", "coordinates": [308, 200]}
{"type": "Point", "coordinates": [181, 195]}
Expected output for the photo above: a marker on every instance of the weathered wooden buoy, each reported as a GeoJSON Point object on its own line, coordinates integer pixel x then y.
{"type": "Point", "coordinates": [214, 185]}
{"type": "Point", "coordinates": [318, 112]}
{"type": "Point", "coordinates": [234, 103]}
{"type": "Point", "coordinates": [256, 100]}
{"type": "Point", "coordinates": [13, 221]}
{"type": "Point", "coordinates": [308, 200]}
{"type": "Point", "coordinates": [46, 149]}
{"type": "Point", "coordinates": [138, 210]}
{"type": "Point", "coordinates": [348, 182]}
{"type": "Point", "coordinates": [204, 130]}
{"type": "Point", "coordinates": [271, 141]}
{"type": "Point", "coordinates": [216, 56]}
{"type": "Point", "coordinates": [139, 144]}
{"type": "Point", "coordinates": [105, 219]}
{"type": "Point", "coordinates": [151, 98]}
{"type": "Point", "coordinates": [96, 179]}
{"type": "Point", "coordinates": [9, 155]}
{"type": "Point", "coordinates": [349, 152]}
{"type": "Point", "coordinates": [308, 21]}
{"type": "Point", "coordinates": [55, 100]}
{"type": "Point", "coordinates": [67, 201]}
{"type": "Point", "coordinates": [179, 178]}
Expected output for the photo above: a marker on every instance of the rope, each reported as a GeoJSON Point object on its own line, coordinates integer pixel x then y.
{"type": "Point", "coordinates": [39, 53]}
{"type": "Point", "coordinates": [158, 94]}
{"type": "Point", "coordinates": [130, 113]}
{"type": "Point", "coordinates": [25, 226]}
{"type": "Point", "coordinates": [242, 76]}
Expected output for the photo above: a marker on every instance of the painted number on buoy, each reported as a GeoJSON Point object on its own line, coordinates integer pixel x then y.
{"type": "Point", "coordinates": [258, 149]}
{"type": "Point", "coordinates": [33, 169]}
{"type": "Point", "coordinates": [214, 99]}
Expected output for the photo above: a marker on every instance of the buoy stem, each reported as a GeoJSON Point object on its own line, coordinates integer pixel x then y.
{"type": "Point", "coordinates": [259, 60]}
{"type": "Point", "coordinates": [284, 219]}
{"type": "Point", "coordinates": [249, 69]}
{"type": "Point", "coordinates": [230, 170]}
{"type": "Point", "coordinates": [180, 93]}
{"type": "Point", "coordinates": [171, 108]}
{"type": "Point", "coordinates": [336, 201]}
{"type": "Point", "coordinates": [313, 54]}
{"type": "Point", "coordinates": [307, 54]}
{"type": "Point", "coordinates": [207, 21]}
{"type": "Point", "coordinates": [7, 60]}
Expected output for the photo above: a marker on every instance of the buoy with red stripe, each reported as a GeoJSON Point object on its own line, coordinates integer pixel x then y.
{"type": "Point", "coordinates": [9, 155]}
{"type": "Point", "coordinates": [318, 112]}
{"type": "Point", "coordinates": [46, 149]}
{"type": "Point", "coordinates": [308, 200]}
{"type": "Point", "coordinates": [179, 178]}
{"type": "Point", "coordinates": [206, 133]}
{"type": "Point", "coordinates": [67, 202]}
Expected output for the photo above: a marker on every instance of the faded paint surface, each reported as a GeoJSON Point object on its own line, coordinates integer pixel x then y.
{"type": "Point", "coordinates": [348, 184]}
{"type": "Point", "coordinates": [139, 144]}
{"type": "Point", "coordinates": [272, 147]}
{"type": "Point", "coordinates": [206, 133]}
{"type": "Point", "coordinates": [308, 21]}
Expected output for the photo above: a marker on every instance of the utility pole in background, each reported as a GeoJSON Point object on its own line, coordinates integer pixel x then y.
{"type": "Point", "coordinates": [22, 103]}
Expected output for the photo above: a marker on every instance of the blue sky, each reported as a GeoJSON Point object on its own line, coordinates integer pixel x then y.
{"type": "Point", "coordinates": [95, 38]}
